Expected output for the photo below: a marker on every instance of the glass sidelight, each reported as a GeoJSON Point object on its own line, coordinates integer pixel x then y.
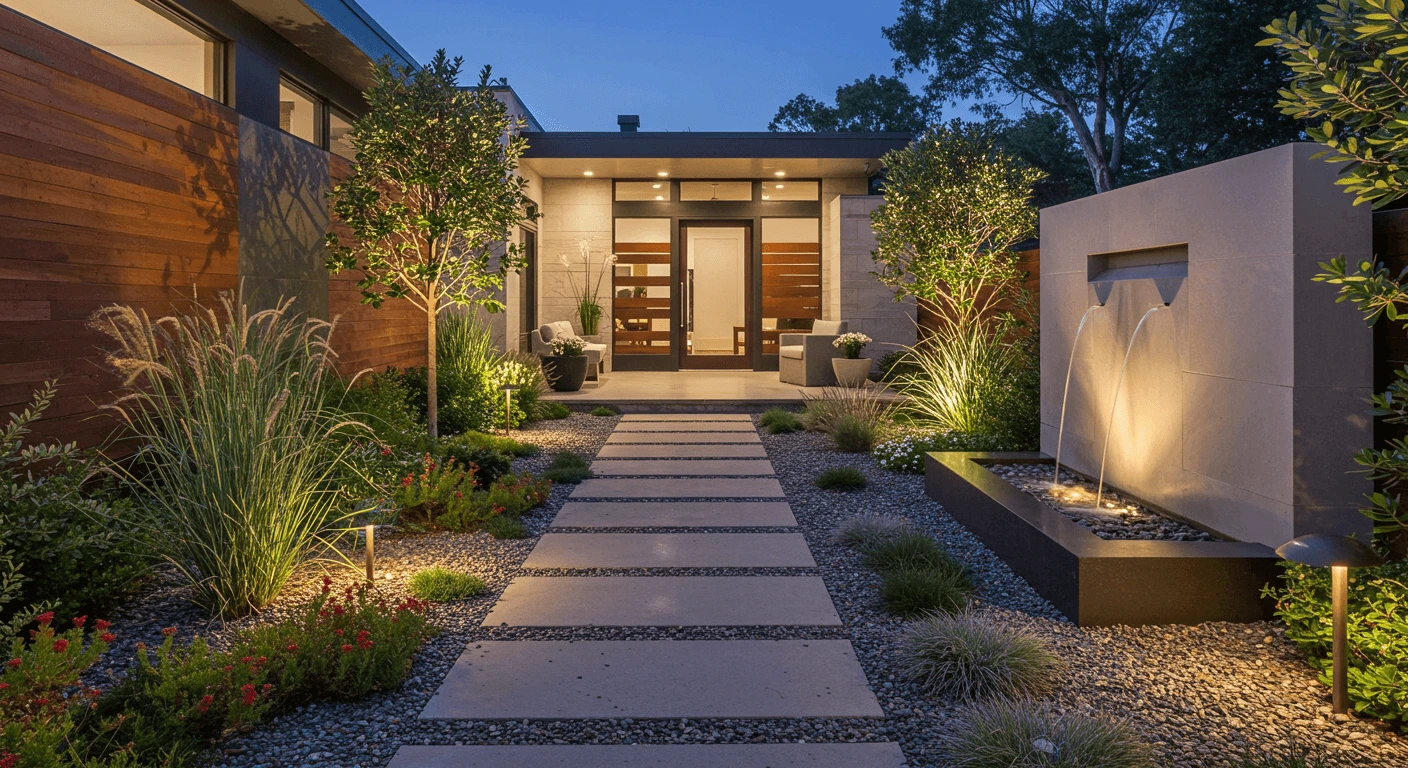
{"type": "Point", "coordinates": [642, 285]}
{"type": "Point", "coordinates": [791, 281]}
{"type": "Point", "coordinates": [715, 277]}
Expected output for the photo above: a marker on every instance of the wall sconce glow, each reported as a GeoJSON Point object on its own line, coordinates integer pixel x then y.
{"type": "Point", "coordinates": [588, 173]}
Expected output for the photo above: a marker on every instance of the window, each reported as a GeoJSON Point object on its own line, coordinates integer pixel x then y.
{"type": "Point", "coordinates": [147, 34]}
{"type": "Point", "coordinates": [300, 112]}
{"type": "Point", "coordinates": [791, 278]}
{"type": "Point", "coordinates": [716, 190]}
{"type": "Point", "coordinates": [791, 190]}
{"type": "Point", "coordinates": [643, 190]}
{"type": "Point", "coordinates": [339, 125]}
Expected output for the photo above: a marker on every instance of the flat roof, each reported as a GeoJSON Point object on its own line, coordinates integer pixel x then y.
{"type": "Point", "coordinates": [759, 144]}
{"type": "Point", "coordinates": [339, 34]}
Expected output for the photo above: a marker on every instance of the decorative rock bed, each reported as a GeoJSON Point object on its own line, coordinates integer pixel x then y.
{"type": "Point", "coordinates": [1116, 518]}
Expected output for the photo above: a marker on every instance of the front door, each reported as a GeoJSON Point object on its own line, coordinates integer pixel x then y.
{"type": "Point", "coordinates": [715, 294]}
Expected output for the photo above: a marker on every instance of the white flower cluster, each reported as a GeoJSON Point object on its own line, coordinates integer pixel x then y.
{"type": "Point", "coordinates": [906, 454]}
{"type": "Point", "coordinates": [847, 339]}
{"type": "Point", "coordinates": [570, 346]}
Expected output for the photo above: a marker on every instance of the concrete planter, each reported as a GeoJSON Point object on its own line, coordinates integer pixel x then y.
{"type": "Point", "coordinates": [1093, 581]}
{"type": "Point", "coordinates": [565, 373]}
{"type": "Point", "coordinates": [851, 373]}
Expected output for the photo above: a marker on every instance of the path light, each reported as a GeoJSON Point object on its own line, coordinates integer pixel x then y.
{"type": "Point", "coordinates": [1339, 554]}
{"type": "Point", "coordinates": [371, 557]}
{"type": "Point", "coordinates": [508, 391]}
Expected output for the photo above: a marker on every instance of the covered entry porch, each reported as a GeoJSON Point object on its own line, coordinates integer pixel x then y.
{"type": "Point", "coordinates": [629, 391]}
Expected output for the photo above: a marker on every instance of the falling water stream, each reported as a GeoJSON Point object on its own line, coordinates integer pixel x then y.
{"type": "Point", "coordinates": [1110, 425]}
{"type": "Point", "coordinates": [1061, 430]}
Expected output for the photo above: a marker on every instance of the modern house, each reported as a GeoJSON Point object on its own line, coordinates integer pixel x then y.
{"type": "Point", "coordinates": [156, 152]}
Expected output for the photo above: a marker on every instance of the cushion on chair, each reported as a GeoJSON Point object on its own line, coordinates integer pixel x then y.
{"type": "Point", "coordinates": [547, 332]}
{"type": "Point", "coordinates": [829, 327]}
{"type": "Point", "coordinates": [563, 328]}
{"type": "Point", "coordinates": [791, 351]}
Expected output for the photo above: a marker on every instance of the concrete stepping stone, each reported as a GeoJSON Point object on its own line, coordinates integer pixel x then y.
{"type": "Point", "coordinates": [682, 468]}
{"type": "Point", "coordinates": [552, 679]}
{"type": "Point", "coordinates": [676, 488]}
{"type": "Point", "coordinates": [674, 514]}
{"type": "Point", "coordinates": [688, 451]}
{"type": "Point", "coordinates": [670, 550]}
{"type": "Point", "coordinates": [685, 426]}
{"type": "Point", "coordinates": [882, 755]}
{"type": "Point", "coordinates": [664, 601]}
{"type": "Point", "coordinates": [687, 417]}
{"type": "Point", "coordinates": [616, 438]}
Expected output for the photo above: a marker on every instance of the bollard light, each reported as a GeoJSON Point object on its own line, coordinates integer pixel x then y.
{"type": "Point", "coordinates": [371, 554]}
{"type": "Point", "coordinates": [1339, 554]}
{"type": "Point", "coordinates": [508, 391]}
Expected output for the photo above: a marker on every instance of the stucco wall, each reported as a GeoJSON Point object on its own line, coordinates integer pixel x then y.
{"type": "Point", "coordinates": [866, 304]}
{"type": "Point", "coordinates": [1244, 400]}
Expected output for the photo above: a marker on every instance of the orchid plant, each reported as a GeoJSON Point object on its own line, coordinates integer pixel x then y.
{"type": "Point", "coordinates": [588, 308]}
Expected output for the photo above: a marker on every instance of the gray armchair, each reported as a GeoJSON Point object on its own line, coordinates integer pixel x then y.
{"type": "Point", "coordinates": [805, 358]}
{"type": "Point", "coordinates": [540, 343]}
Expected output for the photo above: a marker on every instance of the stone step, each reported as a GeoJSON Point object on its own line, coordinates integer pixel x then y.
{"type": "Point", "coordinates": [664, 601]}
{"type": "Point", "coordinates": [617, 438]}
{"type": "Point", "coordinates": [670, 550]}
{"type": "Point", "coordinates": [597, 679]}
{"type": "Point", "coordinates": [685, 426]}
{"type": "Point", "coordinates": [674, 514]}
{"type": "Point", "coordinates": [693, 451]}
{"type": "Point", "coordinates": [682, 488]}
{"type": "Point", "coordinates": [687, 417]}
{"type": "Point", "coordinates": [682, 467]}
{"type": "Point", "coordinates": [878, 755]}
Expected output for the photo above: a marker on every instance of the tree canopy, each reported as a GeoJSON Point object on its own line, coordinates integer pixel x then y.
{"type": "Point", "coordinates": [877, 103]}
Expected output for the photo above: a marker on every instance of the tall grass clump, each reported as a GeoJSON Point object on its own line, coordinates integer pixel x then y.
{"type": "Point", "coordinates": [976, 382]}
{"type": "Point", "coordinates": [971, 656]}
{"type": "Point", "coordinates": [908, 549]}
{"type": "Point", "coordinates": [779, 422]}
{"type": "Point", "coordinates": [917, 591]}
{"type": "Point", "coordinates": [1002, 733]}
{"type": "Point", "coordinates": [870, 529]}
{"type": "Point", "coordinates": [841, 479]}
{"type": "Point", "coordinates": [239, 464]}
{"type": "Point", "coordinates": [825, 409]}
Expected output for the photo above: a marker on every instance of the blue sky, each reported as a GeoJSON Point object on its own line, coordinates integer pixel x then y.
{"type": "Point", "coordinates": [703, 65]}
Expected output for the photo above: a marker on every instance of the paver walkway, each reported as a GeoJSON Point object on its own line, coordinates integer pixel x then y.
{"type": "Point", "coordinates": [677, 471]}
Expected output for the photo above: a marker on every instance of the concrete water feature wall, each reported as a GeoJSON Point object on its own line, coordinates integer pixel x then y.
{"type": "Point", "coordinates": [1244, 400]}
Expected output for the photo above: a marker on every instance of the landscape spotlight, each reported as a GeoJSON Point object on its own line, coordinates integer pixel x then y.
{"type": "Point", "coordinates": [1339, 554]}
{"type": "Point", "coordinates": [371, 554]}
{"type": "Point", "coordinates": [508, 391]}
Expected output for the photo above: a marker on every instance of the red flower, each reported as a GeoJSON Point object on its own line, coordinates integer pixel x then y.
{"type": "Point", "coordinates": [386, 451]}
{"type": "Point", "coordinates": [107, 637]}
{"type": "Point", "coordinates": [3, 686]}
{"type": "Point", "coordinates": [169, 631]}
{"type": "Point", "coordinates": [205, 702]}
{"type": "Point", "coordinates": [8, 760]}
{"type": "Point", "coordinates": [101, 625]}
{"type": "Point", "coordinates": [249, 693]}
{"type": "Point", "coordinates": [406, 481]}
{"type": "Point", "coordinates": [13, 663]}
{"type": "Point", "coordinates": [337, 610]}
{"type": "Point", "coordinates": [41, 701]}
{"type": "Point", "coordinates": [60, 645]}
{"type": "Point", "coordinates": [337, 632]}
{"type": "Point", "coordinates": [246, 659]}
{"type": "Point", "coordinates": [346, 648]}
{"type": "Point", "coordinates": [44, 618]}
{"type": "Point", "coordinates": [78, 620]}
{"type": "Point", "coordinates": [292, 647]}
{"type": "Point", "coordinates": [268, 686]}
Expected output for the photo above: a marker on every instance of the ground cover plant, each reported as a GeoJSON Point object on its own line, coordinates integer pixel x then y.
{"type": "Point", "coordinates": [1002, 733]}
{"type": "Point", "coordinates": [548, 410]}
{"type": "Point", "coordinates": [850, 416]}
{"type": "Point", "coordinates": [779, 422]}
{"type": "Point", "coordinates": [441, 585]}
{"type": "Point", "coordinates": [841, 479]}
{"type": "Point", "coordinates": [602, 410]}
{"type": "Point", "coordinates": [505, 527]}
{"type": "Point", "coordinates": [909, 549]}
{"type": "Point", "coordinates": [971, 656]}
{"type": "Point", "coordinates": [568, 467]}
{"type": "Point", "coordinates": [869, 530]}
{"type": "Point", "coordinates": [240, 463]}
{"type": "Point", "coordinates": [445, 496]}
{"type": "Point", "coordinates": [905, 453]}
{"type": "Point", "coordinates": [909, 592]}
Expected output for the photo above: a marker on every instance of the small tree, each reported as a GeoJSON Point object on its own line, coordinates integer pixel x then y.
{"type": "Point", "coordinates": [955, 204]}
{"type": "Point", "coordinates": [1349, 79]}
{"type": "Point", "coordinates": [434, 195]}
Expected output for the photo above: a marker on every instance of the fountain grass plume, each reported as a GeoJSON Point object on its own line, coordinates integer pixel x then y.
{"type": "Point", "coordinates": [239, 463]}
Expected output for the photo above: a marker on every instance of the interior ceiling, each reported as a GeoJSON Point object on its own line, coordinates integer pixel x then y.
{"type": "Point", "coordinates": [106, 22]}
{"type": "Point", "coordinates": [699, 168]}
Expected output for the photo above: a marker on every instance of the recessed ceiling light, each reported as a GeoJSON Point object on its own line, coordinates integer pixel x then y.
{"type": "Point", "coordinates": [655, 186]}
{"type": "Point", "coordinates": [779, 173]}
{"type": "Point", "coordinates": [587, 173]}
{"type": "Point", "coordinates": [779, 186]}
{"type": "Point", "coordinates": [765, 197]}
{"type": "Point", "coordinates": [663, 174]}
{"type": "Point", "coordinates": [659, 197]}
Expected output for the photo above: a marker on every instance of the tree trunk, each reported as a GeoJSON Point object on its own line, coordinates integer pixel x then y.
{"type": "Point", "coordinates": [432, 409]}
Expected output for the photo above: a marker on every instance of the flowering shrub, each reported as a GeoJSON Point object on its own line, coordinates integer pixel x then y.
{"type": "Point", "coordinates": [43, 704]}
{"type": "Point", "coordinates": [443, 497]}
{"type": "Point", "coordinates": [570, 346]}
{"type": "Point", "coordinates": [906, 453]}
{"type": "Point", "coordinates": [852, 343]}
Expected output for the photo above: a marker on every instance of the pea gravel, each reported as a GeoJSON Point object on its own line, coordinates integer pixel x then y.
{"type": "Point", "coordinates": [1200, 695]}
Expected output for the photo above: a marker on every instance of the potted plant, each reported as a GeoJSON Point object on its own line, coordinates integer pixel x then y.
{"type": "Point", "coordinates": [588, 308]}
{"type": "Point", "coordinates": [566, 367]}
{"type": "Point", "coordinates": [851, 370]}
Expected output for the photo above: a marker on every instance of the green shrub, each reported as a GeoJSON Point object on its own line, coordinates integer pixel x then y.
{"type": "Point", "coordinates": [1293, 755]}
{"type": "Point", "coordinates": [471, 372]}
{"type": "Point", "coordinates": [505, 527]}
{"type": "Point", "coordinates": [906, 453]}
{"type": "Point", "coordinates": [553, 410]}
{"type": "Point", "coordinates": [568, 468]}
{"type": "Point", "coordinates": [970, 656]}
{"type": "Point", "coordinates": [916, 591]}
{"type": "Point", "coordinates": [853, 434]}
{"type": "Point", "coordinates": [779, 422]}
{"type": "Point", "coordinates": [1002, 733]}
{"type": "Point", "coordinates": [441, 585]}
{"type": "Point", "coordinates": [489, 463]}
{"type": "Point", "coordinates": [841, 479]}
{"type": "Point", "coordinates": [869, 530]}
{"type": "Point", "coordinates": [909, 549]}
{"type": "Point", "coordinates": [602, 410]}
{"type": "Point", "coordinates": [242, 464]}
{"type": "Point", "coordinates": [497, 442]}
{"type": "Point", "coordinates": [443, 496]}
{"type": "Point", "coordinates": [1378, 632]}
{"type": "Point", "coordinates": [893, 365]}
{"type": "Point", "coordinates": [383, 402]}
{"type": "Point", "coordinates": [61, 541]}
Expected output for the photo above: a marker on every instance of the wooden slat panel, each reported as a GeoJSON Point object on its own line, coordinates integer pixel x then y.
{"type": "Point", "coordinates": [641, 302]}
{"type": "Point", "coordinates": [624, 314]}
{"type": "Point", "coordinates": [642, 258]}
{"type": "Point", "coordinates": [773, 271]}
{"type": "Point", "coordinates": [791, 247]}
{"type": "Point", "coordinates": [626, 349]}
{"type": "Point", "coordinates": [625, 336]}
{"type": "Point", "coordinates": [792, 258]}
{"type": "Point", "coordinates": [642, 281]}
{"type": "Point", "coordinates": [791, 308]}
{"type": "Point", "coordinates": [776, 291]}
{"type": "Point", "coordinates": [641, 248]}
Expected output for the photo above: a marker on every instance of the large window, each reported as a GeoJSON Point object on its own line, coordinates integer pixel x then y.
{"type": "Point", "coordinates": [300, 112]}
{"type": "Point", "coordinates": [145, 33]}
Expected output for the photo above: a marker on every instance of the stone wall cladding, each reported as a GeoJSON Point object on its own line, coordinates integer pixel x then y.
{"type": "Point", "coordinates": [864, 302]}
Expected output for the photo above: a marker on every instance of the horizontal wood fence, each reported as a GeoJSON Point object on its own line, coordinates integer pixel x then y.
{"type": "Point", "coordinates": [1029, 262]}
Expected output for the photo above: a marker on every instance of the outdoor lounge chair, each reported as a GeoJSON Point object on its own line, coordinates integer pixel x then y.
{"type": "Point", "coordinates": [805, 358]}
{"type": "Point", "coordinates": [540, 342]}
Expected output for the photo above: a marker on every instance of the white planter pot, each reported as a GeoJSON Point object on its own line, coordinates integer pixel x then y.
{"type": "Point", "coordinates": [851, 373]}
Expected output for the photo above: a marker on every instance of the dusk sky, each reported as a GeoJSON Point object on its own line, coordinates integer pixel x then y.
{"type": "Point", "coordinates": [711, 65]}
